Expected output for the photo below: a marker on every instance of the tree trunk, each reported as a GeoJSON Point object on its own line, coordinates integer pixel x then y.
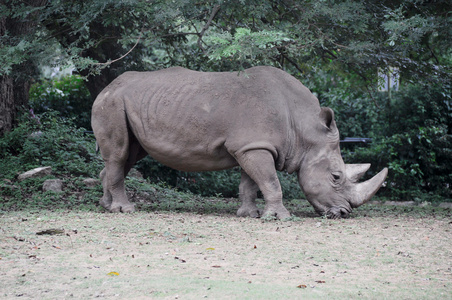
{"type": "Point", "coordinates": [7, 113]}
{"type": "Point", "coordinates": [15, 86]}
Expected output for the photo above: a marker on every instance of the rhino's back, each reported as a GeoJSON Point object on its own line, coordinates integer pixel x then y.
{"type": "Point", "coordinates": [204, 118]}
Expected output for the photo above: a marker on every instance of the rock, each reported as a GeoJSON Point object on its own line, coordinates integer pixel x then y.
{"type": "Point", "coordinates": [135, 173]}
{"type": "Point", "coordinates": [446, 205]}
{"type": "Point", "coordinates": [91, 182]}
{"type": "Point", "coordinates": [38, 172]}
{"type": "Point", "coordinates": [79, 195]}
{"type": "Point", "coordinates": [36, 134]}
{"type": "Point", "coordinates": [374, 202]}
{"type": "Point", "coordinates": [54, 185]}
{"type": "Point", "coordinates": [400, 203]}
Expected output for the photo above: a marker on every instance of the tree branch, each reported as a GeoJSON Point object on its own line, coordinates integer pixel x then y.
{"type": "Point", "coordinates": [204, 29]}
{"type": "Point", "coordinates": [127, 53]}
{"type": "Point", "coordinates": [292, 62]}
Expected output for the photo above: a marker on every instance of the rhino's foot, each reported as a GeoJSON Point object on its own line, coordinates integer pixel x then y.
{"type": "Point", "coordinates": [124, 208]}
{"type": "Point", "coordinates": [105, 203]}
{"type": "Point", "coordinates": [249, 211]}
{"type": "Point", "coordinates": [280, 213]}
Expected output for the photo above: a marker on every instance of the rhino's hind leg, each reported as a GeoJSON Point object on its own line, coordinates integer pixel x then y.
{"type": "Point", "coordinates": [247, 194]}
{"type": "Point", "coordinates": [260, 166]}
{"type": "Point", "coordinates": [112, 176]}
{"type": "Point", "coordinates": [115, 186]}
{"type": "Point", "coordinates": [114, 139]}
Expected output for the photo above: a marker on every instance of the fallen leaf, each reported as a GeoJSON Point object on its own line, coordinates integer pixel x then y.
{"type": "Point", "coordinates": [320, 281]}
{"type": "Point", "coordinates": [113, 274]}
{"type": "Point", "coordinates": [210, 249]}
{"type": "Point", "coordinates": [216, 266]}
{"type": "Point", "coordinates": [302, 286]}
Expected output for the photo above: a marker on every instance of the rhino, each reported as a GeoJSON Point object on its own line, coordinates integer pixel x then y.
{"type": "Point", "coordinates": [261, 119]}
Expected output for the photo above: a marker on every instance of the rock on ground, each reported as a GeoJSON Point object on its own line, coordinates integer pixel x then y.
{"type": "Point", "coordinates": [446, 205]}
{"type": "Point", "coordinates": [91, 182]}
{"type": "Point", "coordinates": [54, 185]}
{"type": "Point", "coordinates": [135, 173]}
{"type": "Point", "coordinates": [38, 172]}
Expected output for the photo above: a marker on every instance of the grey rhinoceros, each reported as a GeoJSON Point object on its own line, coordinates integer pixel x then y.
{"type": "Point", "coordinates": [261, 119]}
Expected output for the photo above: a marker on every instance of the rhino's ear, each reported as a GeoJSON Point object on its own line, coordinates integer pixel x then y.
{"type": "Point", "coordinates": [327, 118]}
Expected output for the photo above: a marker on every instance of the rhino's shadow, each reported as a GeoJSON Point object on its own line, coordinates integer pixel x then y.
{"type": "Point", "coordinates": [179, 202]}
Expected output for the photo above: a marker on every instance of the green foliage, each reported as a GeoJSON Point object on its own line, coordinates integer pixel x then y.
{"type": "Point", "coordinates": [67, 95]}
{"type": "Point", "coordinates": [48, 140]}
{"type": "Point", "coordinates": [245, 45]}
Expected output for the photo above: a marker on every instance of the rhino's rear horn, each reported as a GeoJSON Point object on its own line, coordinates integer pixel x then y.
{"type": "Point", "coordinates": [355, 171]}
{"type": "Point", "coordinates": [364, 191]}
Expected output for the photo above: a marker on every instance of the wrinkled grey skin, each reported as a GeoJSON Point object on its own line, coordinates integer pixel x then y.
{"type": "Point", "coordinates": [261, 119]}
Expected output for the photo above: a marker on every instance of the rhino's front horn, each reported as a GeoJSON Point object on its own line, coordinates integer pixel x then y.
{"type": "Point", "coordinates": [355, 171]}
{"type": "Point", "coordinates": [365, 190]}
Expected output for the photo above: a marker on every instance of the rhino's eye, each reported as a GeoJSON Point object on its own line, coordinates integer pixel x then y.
{"type": "Point", "coordinates": [336, 176]}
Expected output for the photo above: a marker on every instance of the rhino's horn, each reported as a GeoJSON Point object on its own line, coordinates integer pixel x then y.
{"type": "Point", "coordinates": [355, 171]}
{"type": "Point", "coordinates": [364, 191]}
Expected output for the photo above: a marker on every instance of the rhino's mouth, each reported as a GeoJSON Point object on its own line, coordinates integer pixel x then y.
{"type": "Point", "coordinates": [335, 212]}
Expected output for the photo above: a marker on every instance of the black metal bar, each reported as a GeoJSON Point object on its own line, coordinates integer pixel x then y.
{"type": "Point", "coordinates": [357, 140]}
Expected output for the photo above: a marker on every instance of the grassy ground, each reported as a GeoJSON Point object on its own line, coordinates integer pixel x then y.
{"type": "Point", "coordinates": [380, 252]}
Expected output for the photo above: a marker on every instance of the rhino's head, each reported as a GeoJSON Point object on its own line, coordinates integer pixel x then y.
{"type": "Point", "coordinates": [331, 186]}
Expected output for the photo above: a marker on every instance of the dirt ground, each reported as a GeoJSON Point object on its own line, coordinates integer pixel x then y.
{"type": "Point", "coordinates": [192, 256]}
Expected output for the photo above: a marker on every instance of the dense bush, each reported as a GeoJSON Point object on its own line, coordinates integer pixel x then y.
{"type": "Point", "coordinates": [355, 112]}
{"type": "Point", "coordinates": [48, 140]}
{"type": "Point", "coordinates": [67, 95]}
{"type": "Point", "coordinates": [411, 132]}
{"type": "Point", "coordinates": [412, 137]}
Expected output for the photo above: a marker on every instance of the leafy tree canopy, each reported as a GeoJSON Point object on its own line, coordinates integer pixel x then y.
{"type": "Point", "coordinates": [350, 37]}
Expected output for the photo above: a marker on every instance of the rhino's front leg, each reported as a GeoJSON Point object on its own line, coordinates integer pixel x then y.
{"type": "Point", "coordinates": [106, 199]}
{"type": "Point", "coordinates": [260, 166]}
{"type": "Point", "coordinates": [247, 194]}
